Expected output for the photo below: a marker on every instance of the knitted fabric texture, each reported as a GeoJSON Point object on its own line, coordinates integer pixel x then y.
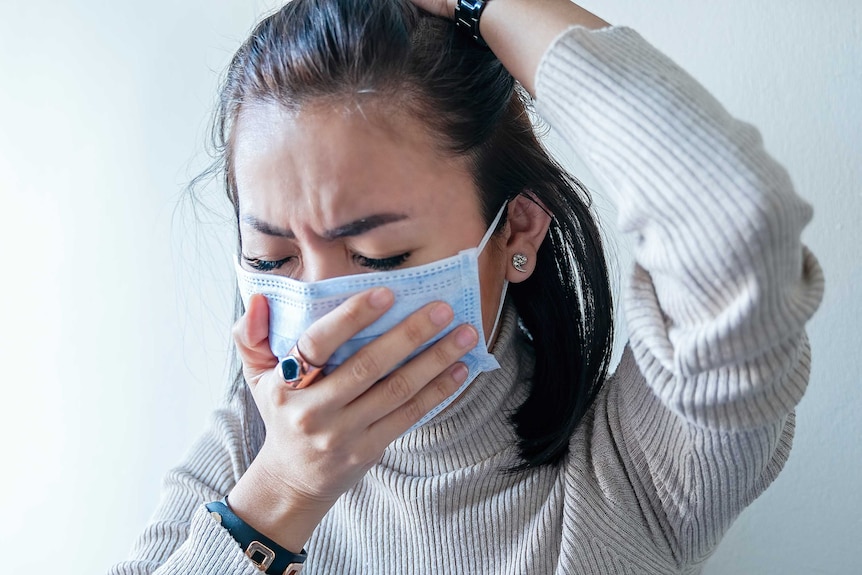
{"type": "Point", "coordinates": [694, 424]}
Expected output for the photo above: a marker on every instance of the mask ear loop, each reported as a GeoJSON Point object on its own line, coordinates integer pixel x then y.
{"type": "Point", "coordinates": [482, 244]}
{"type": "Point", "coordinates": [499, 311]}
{"type": "Point", "coordinates": [492, 227]}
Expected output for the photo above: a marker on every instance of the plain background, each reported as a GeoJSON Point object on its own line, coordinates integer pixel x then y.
{"type": "Point", "coordinates": [116, 300]}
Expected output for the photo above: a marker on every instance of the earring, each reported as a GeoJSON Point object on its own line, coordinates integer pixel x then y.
{"type": "Point", "coordinates": [518, 262]}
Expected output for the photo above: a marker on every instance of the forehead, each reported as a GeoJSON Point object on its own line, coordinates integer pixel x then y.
{"type": "Point", "coordinates": [327, 164]}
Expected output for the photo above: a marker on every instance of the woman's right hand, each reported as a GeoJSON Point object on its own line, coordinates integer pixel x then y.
{"type": "Point", "coordinates": [443, 8]}
{"type": "Point", "coordinates": [322, 439]}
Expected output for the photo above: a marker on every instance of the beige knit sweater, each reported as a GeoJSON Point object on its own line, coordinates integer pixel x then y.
{"type": "Point", "coordinates": [695, 423]}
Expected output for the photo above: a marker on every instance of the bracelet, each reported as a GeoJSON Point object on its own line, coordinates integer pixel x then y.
{"type": "Point", "coordinates": [467, 14]}
{"type": "Point", "coordinates": [266, 554]}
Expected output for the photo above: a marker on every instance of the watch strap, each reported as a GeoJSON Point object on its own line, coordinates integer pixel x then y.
{"type": "Point", "coordinates": [266, 554]}
{"type": "Point", "coordinates": [467, 15]}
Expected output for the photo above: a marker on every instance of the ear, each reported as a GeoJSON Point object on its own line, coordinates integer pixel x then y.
{"type": "Point", "coordinates": [527, 221]}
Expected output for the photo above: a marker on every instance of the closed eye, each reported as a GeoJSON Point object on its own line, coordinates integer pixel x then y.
{"type": "Point", "coordinates": [265, 265]}
{"type": "Point", "coordinates": [382, 264]}
{"type": "Point", "coordinates": [376, 264]}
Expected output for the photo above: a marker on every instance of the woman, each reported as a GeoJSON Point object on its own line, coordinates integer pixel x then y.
{"type": "Point", "coordinates": [367, 144]}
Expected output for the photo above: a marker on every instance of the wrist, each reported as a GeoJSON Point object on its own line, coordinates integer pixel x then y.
{"type": "Point", "coordinates": [267, 504]}
{"type": "Point", "coordinates": [267, 555]}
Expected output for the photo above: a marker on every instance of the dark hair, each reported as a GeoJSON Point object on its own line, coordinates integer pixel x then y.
{"type": "Point", "coordinates": [335, 49]}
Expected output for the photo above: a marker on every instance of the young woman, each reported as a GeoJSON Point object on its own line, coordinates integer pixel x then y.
{"type": "Point", "coordinates": [426, 325]}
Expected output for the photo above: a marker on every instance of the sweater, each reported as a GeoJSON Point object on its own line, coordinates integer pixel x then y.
{"type": "Point", "coordinates": [694, 424]}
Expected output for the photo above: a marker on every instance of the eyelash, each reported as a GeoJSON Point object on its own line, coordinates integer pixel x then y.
{"type": "Point", "coordinates": [264, 265]}
{"type": "Point", "coordinates": [383, 264]}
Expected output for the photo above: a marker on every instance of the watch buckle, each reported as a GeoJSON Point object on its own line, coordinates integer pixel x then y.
{"type": "Point", "coordinates": [255, 549]}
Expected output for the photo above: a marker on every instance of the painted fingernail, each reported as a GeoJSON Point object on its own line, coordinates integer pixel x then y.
{"type": "Point", "coordinates": [441, 314]}
{"type": "Point", "coordinates": [466, 336]}
{"type": "Point", "coordinates": [380, 298]}
{"type": "Point", "coordinates": [459, 373]}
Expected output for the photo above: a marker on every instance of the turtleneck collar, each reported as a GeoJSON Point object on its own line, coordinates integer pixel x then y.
{"type": "Point", "coordinates": [475, 429]}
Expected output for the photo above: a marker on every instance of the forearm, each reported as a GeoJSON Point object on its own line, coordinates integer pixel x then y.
{"type": "Point", "coordinates": [722, 276]}
{"type": "Point", "coordinates": [520, 31]}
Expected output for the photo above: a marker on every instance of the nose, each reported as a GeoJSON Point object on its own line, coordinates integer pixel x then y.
{"type": "Point", "coordinates": [322, 264]}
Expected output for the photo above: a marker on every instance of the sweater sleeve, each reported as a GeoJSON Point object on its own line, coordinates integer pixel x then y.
{"type": "Point", "coordinates": [182, 537]}
{"type": "Point", "coordinates": [698, 418]}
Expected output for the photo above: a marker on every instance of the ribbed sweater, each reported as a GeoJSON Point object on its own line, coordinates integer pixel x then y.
{"type": "Point", "coordinates": [694, 424]}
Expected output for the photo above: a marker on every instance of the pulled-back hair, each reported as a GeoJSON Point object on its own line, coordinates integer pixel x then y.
{"type": "Point", "coordinates": [396, 55]}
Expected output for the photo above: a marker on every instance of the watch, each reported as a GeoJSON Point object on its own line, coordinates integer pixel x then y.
{"type": "Point", "coordinates": [467, 14]}
{"type": "Point", "coordinates": [266, 554]}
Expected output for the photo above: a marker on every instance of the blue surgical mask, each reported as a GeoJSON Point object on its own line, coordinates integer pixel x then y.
{"type": "Point", "coordinates": [295, 305]}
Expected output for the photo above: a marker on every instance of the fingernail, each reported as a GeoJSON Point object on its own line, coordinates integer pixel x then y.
{"type": "Point", "coordinates": [466, 336]}
{"type": "Point", "coordinates": [441, 314]}
{"type": "Point", "coordinates": [380, 298]}
{"type": "Point", "coordinates": [459, 373]}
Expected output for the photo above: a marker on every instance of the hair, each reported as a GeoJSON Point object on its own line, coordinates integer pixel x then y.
{"type": "Point", "coordinates": [313, 50]}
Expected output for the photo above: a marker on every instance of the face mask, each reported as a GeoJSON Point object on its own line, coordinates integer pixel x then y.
{"type": "Point", "coordinates": [295, 305]}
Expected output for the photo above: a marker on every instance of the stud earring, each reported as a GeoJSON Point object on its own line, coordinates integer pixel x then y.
{"type": "Point", "coordinates": [518, 262]}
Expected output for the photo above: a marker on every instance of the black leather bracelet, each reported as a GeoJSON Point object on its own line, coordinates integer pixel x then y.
{"type": "Point", "coordinates": [467, 14]}
{"type": "Point", "coordinates": [266, 554]}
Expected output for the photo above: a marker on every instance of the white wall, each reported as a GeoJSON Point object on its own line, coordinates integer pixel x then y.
{"type": "Point", "coordinates": [115, 304]}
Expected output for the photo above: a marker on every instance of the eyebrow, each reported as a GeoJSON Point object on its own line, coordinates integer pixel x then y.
{"type": "Point", "coordinates": [354, 228]}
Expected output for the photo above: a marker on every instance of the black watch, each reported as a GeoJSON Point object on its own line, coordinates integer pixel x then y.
{"type": "Point", "coordinates": [467, 14]}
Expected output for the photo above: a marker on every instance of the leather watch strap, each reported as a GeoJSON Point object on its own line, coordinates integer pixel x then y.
{"type": "Point", "coordinates": [265, 553]}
